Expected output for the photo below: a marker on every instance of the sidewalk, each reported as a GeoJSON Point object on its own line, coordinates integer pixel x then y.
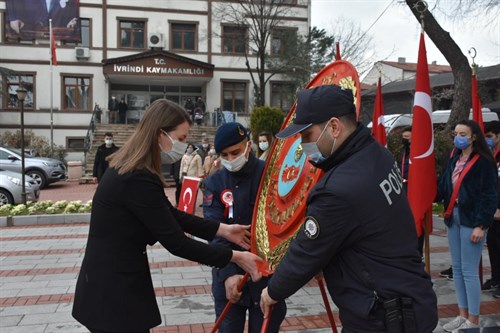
{"type": "Point", "coordinates": [39, 266]}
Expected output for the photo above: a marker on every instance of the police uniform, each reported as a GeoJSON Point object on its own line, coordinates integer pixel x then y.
{"type": "Point", "coordinates": [359, 231]}
{"type": "Point", "coordinates": [230, 197]}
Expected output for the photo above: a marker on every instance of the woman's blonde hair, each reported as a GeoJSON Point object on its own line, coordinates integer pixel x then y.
{"type": "Point", "coordinates": [142, 150]}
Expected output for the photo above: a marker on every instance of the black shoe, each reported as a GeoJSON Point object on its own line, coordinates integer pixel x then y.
{"type": "Point", "coordinates": [450, 277]}
{"type": "Point", "coordinates": [496, 294]}
{"type": "Point", "coordinates": [490, 285]}
{"type": "Point", "coordinates": [446, 273]}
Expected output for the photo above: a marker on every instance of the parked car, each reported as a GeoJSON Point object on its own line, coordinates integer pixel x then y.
{"type": "Point", "coordinates": [11, 189]}
{"type": "Point", "coordinates": [42, 169]}
{"type": "Point", "coordinates": [439, 118]}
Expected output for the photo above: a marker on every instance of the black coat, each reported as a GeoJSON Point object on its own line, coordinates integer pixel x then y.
{"type": "Point", "coordinates": [362, 236]}
{"type": "Point", "coordinates": [114, 291]}
{"type": "Point", "coordinates": [100, 163]}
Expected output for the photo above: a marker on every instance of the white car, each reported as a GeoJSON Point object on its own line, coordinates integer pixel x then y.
{"type": "Point", "coordinates": [10, 188]}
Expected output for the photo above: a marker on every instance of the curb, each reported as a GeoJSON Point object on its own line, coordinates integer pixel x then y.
{"type": "Point", "coordinates": [25, 220]}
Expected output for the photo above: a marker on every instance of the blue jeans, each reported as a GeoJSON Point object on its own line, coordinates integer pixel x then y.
{"type": "Point", "coordinates": [465, 257]}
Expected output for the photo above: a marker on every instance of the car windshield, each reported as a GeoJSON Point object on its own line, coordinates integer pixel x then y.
{"type": "Point", "coordinates": [15, 150]}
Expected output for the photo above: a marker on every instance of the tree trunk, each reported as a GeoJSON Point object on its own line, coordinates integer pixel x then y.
{"type": "Point", "coordinates": [462, 73]}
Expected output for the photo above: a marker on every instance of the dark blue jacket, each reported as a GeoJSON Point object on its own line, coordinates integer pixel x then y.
{"type": "Point", "coordinates": [477, 197]}
{"type": "Point", "coordinates": [365, 239]}
{"type": "Point", "coordinates": [244, 185]}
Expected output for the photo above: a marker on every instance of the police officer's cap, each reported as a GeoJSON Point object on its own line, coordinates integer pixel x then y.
{"type": "Point", "coordinates": [229, 134]}
{"type": "Point", "coordinates": [317, 105]}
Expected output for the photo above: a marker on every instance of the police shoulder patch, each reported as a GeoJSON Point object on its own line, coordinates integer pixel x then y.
{"type": "Point", "coordinates": [311, 227]}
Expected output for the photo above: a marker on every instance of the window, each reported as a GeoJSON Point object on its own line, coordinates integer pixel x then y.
{"type": "Point", "coordinates": [282, 95]}
{"type": "Point", "coordinates": [77, 93]}
{"type": "Point", "coordinates": [183, 36]}
{"type": "Point", "coordinates": [282, 40]}
{"type": "Point", "coordinates": [85, 34]}
{"type": "Point", "coordinates": [234, 39]}
{"type": "Point", "coordinates": [12, 84]}
{"type": "Point", "coordinates": [132, 34]}
{"type": "Point", "coordinates": [75, 143]}
{"type": "Point", "coordinates": [234, 96]}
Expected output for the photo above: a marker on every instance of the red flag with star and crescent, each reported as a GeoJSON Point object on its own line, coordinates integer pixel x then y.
{"type": "Point", "coordinates": [188, 195]}
{"type": "Point", "coordinates": [422, 186]}
{"type": "Point", "coordinates": [477, 113]}
{"type": "Point", "coordinates": [378, 128]}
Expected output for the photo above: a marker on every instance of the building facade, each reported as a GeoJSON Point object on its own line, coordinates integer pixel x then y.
{"type": "Point", "coordinates": [138, 51]}
{"type": "Point", "coordinates": [400, 70]}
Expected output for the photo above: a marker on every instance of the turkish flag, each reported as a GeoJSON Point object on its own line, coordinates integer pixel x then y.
{"type": "Point", "coordinates": [378, 128]}
{"type": "Point", "coordinates": [422, 186]}
{"type": "Point", "coordinates": [477, 114]}
{"type": "Point", "coordinates": [53, 48]}
{"type": "Point", "coordinates": [189, 193]}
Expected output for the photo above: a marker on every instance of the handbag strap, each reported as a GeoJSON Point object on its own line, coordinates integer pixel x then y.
{"type": "Point", "coordinates": [454, 195]}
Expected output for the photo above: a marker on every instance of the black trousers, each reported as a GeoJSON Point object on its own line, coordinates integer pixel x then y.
{"type": "Point", "coordinates": [493, 242]}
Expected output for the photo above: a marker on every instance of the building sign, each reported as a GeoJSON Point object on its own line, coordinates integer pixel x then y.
{"type": "Point", "coordinates": [29, 19]}
{"type": "Point", "coordinates": [159, 65]}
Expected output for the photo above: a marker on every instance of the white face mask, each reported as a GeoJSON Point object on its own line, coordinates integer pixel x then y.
{"type": "Point", "coordinates": [236, 164]}
{"type": "Point", "coordinates": [205, 145]}
{"type": "Point", "coordinates": [176, 153]}
{"type": "Point", "coordinates": [263, 145]}
{"type": "Point", "coordinates": [311, 148]}
{"type": "Point", "coordinates": [108, 142]}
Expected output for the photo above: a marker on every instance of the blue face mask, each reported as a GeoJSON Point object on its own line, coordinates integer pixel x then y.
{"type": "Point", "coordinates": [491, 143]}
{"type": "Point", "coordinates": [461, 142]}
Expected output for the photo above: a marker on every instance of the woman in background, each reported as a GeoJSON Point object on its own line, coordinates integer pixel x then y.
{"type": "Point", "coordinates": [265, 143]}
{"type": "Point", "coordinates": [469, 216]}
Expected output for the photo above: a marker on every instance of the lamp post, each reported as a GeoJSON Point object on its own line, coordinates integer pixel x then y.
{"type": "Point", "coordinates": [21, 95]}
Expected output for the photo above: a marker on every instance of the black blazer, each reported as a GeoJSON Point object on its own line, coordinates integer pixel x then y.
{"type": "Point", "coordinates": [114, 291]}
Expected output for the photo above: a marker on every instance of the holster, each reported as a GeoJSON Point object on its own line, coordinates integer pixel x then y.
{"type": "Point", "coordinates": [399, 315]}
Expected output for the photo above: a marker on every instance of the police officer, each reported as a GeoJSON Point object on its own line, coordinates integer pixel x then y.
{"type": "Point", "coordinates": [358, 230]}
{"type": "Point", "coordinates": [229, 196]}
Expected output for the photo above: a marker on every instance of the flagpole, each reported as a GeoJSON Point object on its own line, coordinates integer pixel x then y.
{"type": "Point", "coordinates": [51, 92]}
{"type": "Point", "coordinates": [427, 248]}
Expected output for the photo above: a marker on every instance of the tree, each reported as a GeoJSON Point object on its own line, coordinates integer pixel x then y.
{"type": "Point", "coordinates": [306, 55]}
{"type": "Point", "coordinates": [459, 64]}
{"type": "Point", "coordinates": [260, 18]}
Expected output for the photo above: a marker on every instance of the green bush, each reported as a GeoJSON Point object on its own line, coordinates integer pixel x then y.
{"type": "Point", "coordinates": [265, 118]}
{"type": "Point", "coordinates": [39, 143]}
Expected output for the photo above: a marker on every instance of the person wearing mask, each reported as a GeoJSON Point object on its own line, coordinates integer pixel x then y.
{"type": "Point", "coordinates": [405, 158]}
{"type": "Point", "coordinates": [468, 188]}
{"type": "Point", "coordinates": [114, 290]}
{"type": "Point", "coordinates": [191, 164]}
{"type": "Point", "coordinates": [122, 111]}
{"type": "Point", "coordinates": [189, 106]}
{"type": "Point", "coordinates": [113, 109]}
{"type": "Point", "coordinates": [230, 195]}
{"type": "Point", "coordinates": [265, 143]}
{"type": "Point", "coordinates": [492, 135]}
{"type": "Point", "coordinates": [358, 230]}
{"type": "Point", "coordinates": [205, 147]}
{"type": "Point", "coordinates": [212, 162]}
{"type": "Point", "coordinates": [101, 157]}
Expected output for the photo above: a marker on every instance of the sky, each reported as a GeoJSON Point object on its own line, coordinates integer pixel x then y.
{"type": "Point", "coordinates": [396, 33]}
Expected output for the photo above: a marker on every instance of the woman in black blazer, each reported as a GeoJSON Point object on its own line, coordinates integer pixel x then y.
{"type": "Point", "coordinates": [114, 291]}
